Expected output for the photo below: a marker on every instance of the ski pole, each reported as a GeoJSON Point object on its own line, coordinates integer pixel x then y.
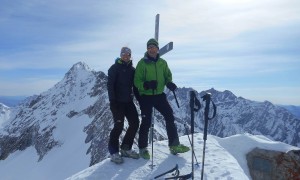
{"type": "Point", "coordinates": [203, 158]}
{"type": "Point", "coordinates": [186, 129]}
{"type": "Point", "coordinates": [152, 134]}
{"type": "Point", "coordinates": [193, 101]}
{"type": "Point", "coordinates": [175, 98]}
{"type": "Point", "coordinates": [207, 99]}
{"type": "Point", "coordinates": [152, 130]}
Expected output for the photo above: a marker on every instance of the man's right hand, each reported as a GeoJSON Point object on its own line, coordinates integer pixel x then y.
{"type": "Point", "coordinates": [150, 84]}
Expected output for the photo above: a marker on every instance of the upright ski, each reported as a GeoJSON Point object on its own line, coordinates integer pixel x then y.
{"type": "Point", "coordinates": [156, 27]}
{"type": "Point", "coordinates": [168, 47]}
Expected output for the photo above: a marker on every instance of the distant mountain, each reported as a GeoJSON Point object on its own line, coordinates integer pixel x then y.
{"type": "Point", "coordinates": [295, 110]}
{"type": "Point", "coordinates": [70, 123]}
{"type": "Point", "coordinates": [11, 101]}
{"type": "Point", "coordinates": [4, 114]}
{"type": "Point", "coordinates": [238, 115]}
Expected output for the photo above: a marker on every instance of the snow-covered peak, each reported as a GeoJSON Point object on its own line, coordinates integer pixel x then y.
{"type": "Point", "coordinates": [80, 78]}
{"type": "Point", "coordinates": [79, 69]}
{"type": "Point", "coordinates": [3, 106]}
{"type": "Point", "coordinates": [4, 113]}
{"type": "Point", "coordinates": [80, 66]}
{"type": "Point", "coordinates": [222, 96]}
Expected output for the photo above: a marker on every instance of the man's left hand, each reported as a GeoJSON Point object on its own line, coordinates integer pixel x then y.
{"type": "Point", "coordinates": [171, 86]}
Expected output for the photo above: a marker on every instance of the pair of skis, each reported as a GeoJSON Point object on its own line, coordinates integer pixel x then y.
{"type": "Point", "coordinates": [176, 174]}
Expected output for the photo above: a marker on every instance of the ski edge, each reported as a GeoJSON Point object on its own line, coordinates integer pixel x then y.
{"type": "Point", "coordinates": [167, 172]}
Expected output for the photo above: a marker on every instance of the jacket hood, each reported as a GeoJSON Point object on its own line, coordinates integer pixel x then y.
{"type": "Point", "coordinates": [149, 59]}
{"type": "Point", "coordinates": [119, 61]}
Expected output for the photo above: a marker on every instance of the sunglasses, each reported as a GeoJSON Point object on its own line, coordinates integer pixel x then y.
{"type": "Point", "coordinates": [124, 53]}
{"type": "Point", "coordinates": [151, 46]}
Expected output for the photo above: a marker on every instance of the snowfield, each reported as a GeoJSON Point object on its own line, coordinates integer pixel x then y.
{"type": "Point", "coordinates": [225, 158]}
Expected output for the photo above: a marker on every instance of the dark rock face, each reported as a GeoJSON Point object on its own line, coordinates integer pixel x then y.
{"type": "Point", "coordinates": [236, 115]}
{"type": "Point", "coordinates": [43, 142]}
{"type": "Point", "coordinates": [269, 165]}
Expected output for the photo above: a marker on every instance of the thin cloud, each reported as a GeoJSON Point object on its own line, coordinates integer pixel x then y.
{"type": "Point", "coordinates": [216, 43]}
{"type": "Point", "coordinates": [29, 86]}
{"type": "Point", "coordinates": [215, 20]}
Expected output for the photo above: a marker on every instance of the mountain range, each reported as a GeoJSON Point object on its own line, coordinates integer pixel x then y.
{"type": "Point", "coordinates": [70, 123]}
{"type": "Point", "coordinates": [295, 110]}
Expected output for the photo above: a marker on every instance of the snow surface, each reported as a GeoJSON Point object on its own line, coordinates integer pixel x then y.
{"type": "Point", "coordinates": [225, 158]}
{"type": "Point", "coordinates": [59, 163]}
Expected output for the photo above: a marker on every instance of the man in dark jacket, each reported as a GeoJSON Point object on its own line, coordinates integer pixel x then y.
{"type": "Point", "coordinates": [151, 76]}
{"type": "Point", "coordinates": [120, 93]}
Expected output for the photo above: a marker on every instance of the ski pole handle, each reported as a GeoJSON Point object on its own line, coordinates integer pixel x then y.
{"type": "Point", "coordinates": [206, 98]}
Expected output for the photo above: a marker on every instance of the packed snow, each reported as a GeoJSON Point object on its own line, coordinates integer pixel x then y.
{"type": "Point", "coordinates": [58, 164]}
{"type": "Point", "coordinates": [225, 158]}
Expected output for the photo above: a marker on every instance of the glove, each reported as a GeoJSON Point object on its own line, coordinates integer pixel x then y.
{"type": "Point", "coordinates": [150, 84]}
{"type": "Point", "coordinates": [171, 86]}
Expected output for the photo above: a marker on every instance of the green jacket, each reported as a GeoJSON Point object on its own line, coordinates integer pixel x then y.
{"type": "Point", "coordinates": [147, 70]}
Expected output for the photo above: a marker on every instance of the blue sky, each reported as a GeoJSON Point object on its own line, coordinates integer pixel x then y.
{"type": "Point", "coordinates": [250, 47]}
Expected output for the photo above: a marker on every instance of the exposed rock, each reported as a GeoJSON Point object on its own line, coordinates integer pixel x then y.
{"type": "Point", "coordinates": [269, 165]}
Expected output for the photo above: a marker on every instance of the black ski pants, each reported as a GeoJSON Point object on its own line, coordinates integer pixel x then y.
{"type": "Point", "coordinates": [160, 103]}
{"type": "Point", "coordinates": [119, 112]}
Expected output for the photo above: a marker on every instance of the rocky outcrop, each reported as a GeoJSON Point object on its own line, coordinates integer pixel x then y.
{"type": "Point", "coordinates": [269, 165]}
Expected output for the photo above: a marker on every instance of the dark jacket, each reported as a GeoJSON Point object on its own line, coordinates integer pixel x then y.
{"type": "Point", "coordinates": [120, 81]}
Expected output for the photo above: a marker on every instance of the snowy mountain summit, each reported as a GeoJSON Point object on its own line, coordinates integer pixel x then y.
{"type": "Point", "coordinates": [68, 125]}
{"type": "Point", "coordinates": [225, 159]}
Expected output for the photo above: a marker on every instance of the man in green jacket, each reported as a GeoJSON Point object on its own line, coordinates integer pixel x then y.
{"type": "Point", "coordinates": [151, 76]}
